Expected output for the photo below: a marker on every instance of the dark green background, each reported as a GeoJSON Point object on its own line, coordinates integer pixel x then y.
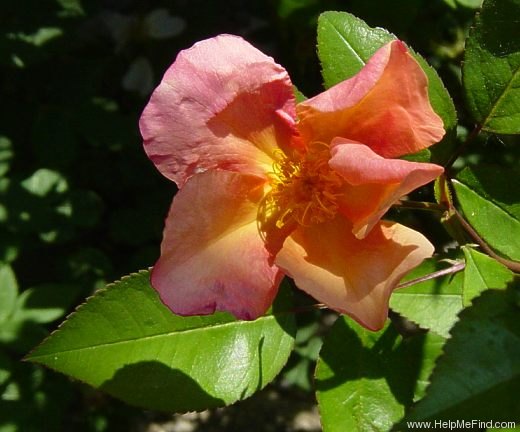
{"type": "Point", "coordinates": [80, 204]}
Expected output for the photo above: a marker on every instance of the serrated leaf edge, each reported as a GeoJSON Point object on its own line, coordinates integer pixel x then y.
{"type": "Point", "coordinates": [423, 63]}
{"type": "Point", "coordinates": [27, 357]}
{"type": "Point", "coordinates": [485, 118]}
{"type": "Point", "coordinates": [442, 354]}
{"type": "Point", "coordinates": [500, 208]}
{"type": "Point", "coordinates": [30, 357]}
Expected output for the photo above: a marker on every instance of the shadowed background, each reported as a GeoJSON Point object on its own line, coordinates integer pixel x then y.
{"type": "Point", "coordinates": [81, 205]}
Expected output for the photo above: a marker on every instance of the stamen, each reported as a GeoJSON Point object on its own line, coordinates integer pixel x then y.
{"type": "Point", "coordinates": [330, 196]}
{"type": "Point", "coordinates": [304, 189]}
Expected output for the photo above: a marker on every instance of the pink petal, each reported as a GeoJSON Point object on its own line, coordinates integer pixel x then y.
{"type": "Point", "coordinates": [221, 104]}
{"type": "Point", "coordinates": [373, 182]}
{"type": "Point", "coordinates": [384, 106]}
{"type": "Point", "coordinates": [352, 276]}
{"type": "Point", "coordinates": [212, 257]}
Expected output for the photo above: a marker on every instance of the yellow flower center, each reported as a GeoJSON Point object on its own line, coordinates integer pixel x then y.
{"type": "Point", "coordinates": [303, 190]}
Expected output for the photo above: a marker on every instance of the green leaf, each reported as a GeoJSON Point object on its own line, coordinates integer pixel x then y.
{"type": "Point", "coordinates": [45, 303]}
{"type": "Point", "coordinates": [297, 375]}
{"type": "Point", "coordinates": [127, 343]}
{"type": "Point", "coordinates": [8, 291]}
{"type": "Point", "coordinates": [307, 347]}
{"type": "Point", "coordinates": [492, 206]}
{"type": "Point", "coordinates": [431, 348]}
{"type": "Point", "coordinates": [432, 304]}
{"type": "Point", "coordinates": [346, 43]}
{"type": "Point", "coordinates": [299, 96]}
{"type": "Point", "coordinates": [41, 37]}
{"type": "Point", "coordinates": [6, 366]}
{"type": "Point", "coordinates": [365, 379]}
{"type": "Point", "coordinates": [472, 4]}
{"type": "Point", "coordinates": [44, 182]}
{"type": "Point", "coordinates": [451, 3]}
{"type": "Point", "coordinates": [491, 68]}
{"type": "Point", "coordinates": [478, 375]}
{"type": "Point", "coordinates": [6, 154]}
{"type": "Point", "coordinates": [71, 7]}
{"type": "Point", "coordinates": [288, 7]}
{"type": "Point", "coordinates": [482, 273]}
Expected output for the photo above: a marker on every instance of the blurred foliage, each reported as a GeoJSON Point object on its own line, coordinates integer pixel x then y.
{"type": "Point", "coordinates": [75, 183]}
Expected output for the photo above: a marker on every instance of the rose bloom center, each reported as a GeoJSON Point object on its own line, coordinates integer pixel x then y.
{"type": "Point", "coordinates": [304, 189]}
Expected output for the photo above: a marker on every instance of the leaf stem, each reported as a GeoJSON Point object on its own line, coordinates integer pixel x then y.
{"type": "Point", "coordinates": [511, 265]}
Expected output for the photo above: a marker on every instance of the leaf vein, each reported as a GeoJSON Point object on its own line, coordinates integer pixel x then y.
{"type": "Point", "coordinates": [148, 337]}
{"type": "Point", "coordinates": [346, 42]}
{"type": "Point", "coordinates": [499, 99]}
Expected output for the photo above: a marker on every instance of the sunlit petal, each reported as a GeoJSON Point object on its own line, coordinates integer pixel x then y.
{"type": "Point", "coordinates": [384, 106]}
{"type": "Point", "coordinates": [222, 104]}
{"type": "Point", "coordinates": [374, 183]}
{"type": "Point", "coordinates": [349, 275]}
{"type": "Point", "coordinates": [212, 257]}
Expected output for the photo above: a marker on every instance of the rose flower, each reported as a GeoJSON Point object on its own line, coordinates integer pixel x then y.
{"type": "Point", "coordinates": [268, 187]}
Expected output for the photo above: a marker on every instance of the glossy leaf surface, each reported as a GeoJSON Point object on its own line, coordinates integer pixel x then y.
{"type": "Point", "coordinates": [345, 43]}
{"type": "Point", "coordinates": [491, 72]}
{"type": "Point", "coordinates": [432, 304]}
{"type": "Point", "coordinates": [482, 273]}
{"type": "Point", "coordinates": [365, 379]}
{"type": "Point", "coordinates": [478, 375]}
{"type": "Point", "coordinates": [125, 342]}
{"type": "Point", "coordinates": [8, 291]}
{"type": "Point", "coordinates": [492, 206]}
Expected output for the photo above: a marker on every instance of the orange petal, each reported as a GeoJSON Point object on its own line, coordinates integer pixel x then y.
{"type": "Point", "coordinates": [384, 106]}
{"type": "Point", "coordinates": [352, 276]}
{"type": "Point", "coordinates": [212, 257]}
{"type": "Point", "coordinates": [373, 182]}
{"type": "Point", "coordinates": [222, 104]}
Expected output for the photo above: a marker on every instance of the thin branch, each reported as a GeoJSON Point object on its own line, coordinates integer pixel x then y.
{"type": "Point", "coordinates": [511, 265]}
{"type": "Point", "coordinates": [458, 266]}
{"type": "Point", "coordinates": [453, 269]}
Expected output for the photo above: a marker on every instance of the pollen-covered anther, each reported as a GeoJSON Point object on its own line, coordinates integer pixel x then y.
{"type": "Point", "coordinates": [303, 189]}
